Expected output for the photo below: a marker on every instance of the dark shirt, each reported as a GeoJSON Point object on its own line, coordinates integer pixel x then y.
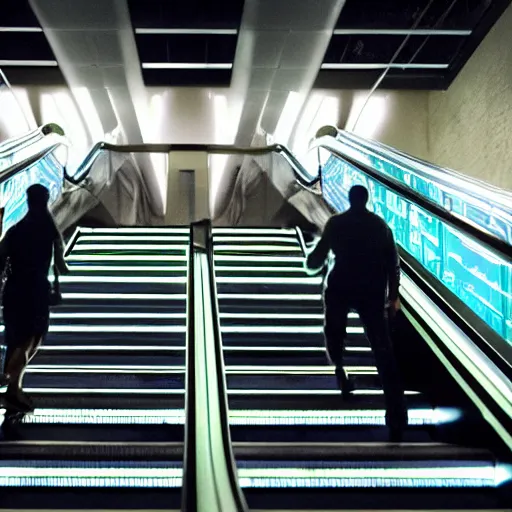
{"type": "Point", "coordinates": [28, 246]}
{"type": "Point", "coordinates": [366, 260]}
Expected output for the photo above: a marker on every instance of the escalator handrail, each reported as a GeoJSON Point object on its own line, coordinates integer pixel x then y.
{"type": "Point", "coordinates": [210, 460]}
{"type": "Point", "coordinates": [404, 159]}
{"type": "Point", "coordinates": [189, 484]}
{"type": "Point", "coordinates": [236, 491]}
{"type": "Point", "coordinates": [498, 246]}
{"type": "Point", "coordinates": [13, 145]}
{"type": "Point", "coordinates": [8, 173]}
{"type": "Point", "coordinates": [85, 167]}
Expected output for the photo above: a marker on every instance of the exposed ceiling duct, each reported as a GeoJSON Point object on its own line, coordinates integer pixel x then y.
{"type": "Point", "coordinates": [95, 49]}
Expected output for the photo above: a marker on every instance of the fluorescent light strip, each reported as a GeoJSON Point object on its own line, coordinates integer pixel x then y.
{"type": "Point", "coordinates": [185, 65]}
{"type": "Point", "coordinates": [128, 247]}
{"type": "Point", "coordinates": [298, 370]}
{"type": "Point", "coordinates": [277, 329]}
{"type": "Point", "coordinates": [271, 296]}
{"type": "Point", "coordinates": [21, 29]}
{"type": "Point", "coordinates": [271, 280]}
{"type": "Point", "coordinates": [274, 417]}
{"type": "Point", "coordinates": [36, 368]}
{"type": "Point", "coordinates": [111, 348]}
{"type": "Point", "coordinates": [114, 328]}
{"type": "Point", "coordinates": [383, 66]}
{"type": "Point", "coordinates": [149, 231]}
{"type": "Point", "coordinates": [104, 371]}
{"type": "Point", "coordinates": [125, 257]}
{"type": "Point", "coordinates": [281, 316]}
{"type": "Point", "coordinates": [262, 239]}
{"type": "Point", "coordinates": [103, 391]}
{"type": "Point", "coordinates": [125, 296]}
{"type": "Point", "coordinates": [400, 32]}
{"type": "Point", "coordinates": [435, 477]}
{"type": "Point", "coordinates": [71, 472]}
{"type": "Point", "coordinates": [263, 258]}
{"type": "Point", "coordinates": [273, 349]}
{"type": "Point", "coordinates": [254, 231]}
{"type": "Point", "coordinates": [96, 237]}
{"type": "Point", "coordinates": [119, 279]}
{"type": "Point", "coordinates": [139, 316]}
{"type": "Point", "coordinates": [251, 268]}
{"type": "Point", "coordinates": [187, 31]}
{"type": "Point", "coordinates": [310, 392]}
{"type": "Point", "coordinates": [29, 63]}
{"type": "Point", "coordinates": [97, 481]}
{"type": "Point", "coordinates": [107, 416]}
{"type": "Point", "coordinates": [266, 248]}
{"type": "Point", "coordinates": [117, 268]}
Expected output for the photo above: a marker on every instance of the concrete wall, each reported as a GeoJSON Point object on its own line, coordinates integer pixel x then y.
{"type": "Point", "coordinates": [470, 126]}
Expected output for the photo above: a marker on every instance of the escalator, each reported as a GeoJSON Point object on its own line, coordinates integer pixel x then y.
{"type": "Point", "coordinates": [109, 381]}
{"type": "Point", "coordinates": [297, 444]}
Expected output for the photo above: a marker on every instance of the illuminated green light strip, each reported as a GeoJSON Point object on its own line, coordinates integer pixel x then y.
{"type": "Point", "coordinates": [125, 296]}
{"type": "Point", "coordinates": [110, 348]}
{"type": "Point", "coordinates": [105, 370]}
{"type": "Point", "coordinates": [136, 368]}
{"type": "Point", "coordinates": [271, 280]}
{"type": "Point", "coordinates": [117, 279]}
{"type": "Point", "coordinates": [135, 230]}
{"type": "Point", "coordinates": [117, 268]}
{"type": "Point", "coordinates": [255, 231]}
{"type": "Point", "coordinates": [125, 257]}
{"type": "Point", "coordinates": [133, 316]}
{"type": "Point", "coordinates": [286, 329]}
{"type": "Point", "coordinates": [265, 248]}
{"type": "Point", "coordinates": [252, 269]}
{"type": "Point", "coordinates": [133, 238]}
{"type": "Point", "coordinates": [104, 391]}
{"type": "Point", "coordinates": [11, 471]}
{"type": "Point", "coordinates": [128, 247]}
{"type": "Point", "coordinates": [259, 259]}
{"type": "Point", "coordinates": [271, 296]}
{"type": "Point", "coordinates": [258, 239]}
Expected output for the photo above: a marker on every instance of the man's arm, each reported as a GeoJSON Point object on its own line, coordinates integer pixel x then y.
{"type": "Point", "coordinates": [316, 258]}
{"type": "Point", "coordinates": [393, 267]}
{"type": "Point", "coordinates": [58, 255]}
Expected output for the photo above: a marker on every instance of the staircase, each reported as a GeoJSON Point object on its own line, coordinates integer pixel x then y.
{"type": "Point", "coordinates": [108, 383]}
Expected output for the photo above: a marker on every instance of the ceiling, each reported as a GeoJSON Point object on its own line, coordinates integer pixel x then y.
{"type": "Point", "coordinates": [193, 43]}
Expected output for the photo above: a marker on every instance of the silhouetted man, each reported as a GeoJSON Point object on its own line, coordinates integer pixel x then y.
{"type": "Point", "coordinates": [364, 277]}
{"type": "Point", "coordinates": [27, 251]}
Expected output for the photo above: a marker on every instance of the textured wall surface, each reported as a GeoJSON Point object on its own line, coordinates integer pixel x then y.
{"type": "Point", "coordinates": [470, 126]}
{"type": "Point", "coordinates": [396, 118]}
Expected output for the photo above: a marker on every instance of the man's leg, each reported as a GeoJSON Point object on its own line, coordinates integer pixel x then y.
{"type": "Point", "coordinates": [16, 366]}
{"type": "Point", "coordinates": [335, 329]}
{"type": "Point", "coordinates": [376, 326]}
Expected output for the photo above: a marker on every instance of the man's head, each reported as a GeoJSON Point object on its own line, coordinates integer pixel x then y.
{"type": "Point", "coordinates": [358, 197]}
{"type": "Point", "coordinates": [37, 198]}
